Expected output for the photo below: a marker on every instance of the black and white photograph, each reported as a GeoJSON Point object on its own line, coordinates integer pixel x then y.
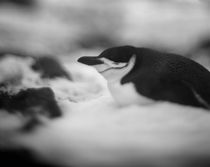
{"type": "Point", "coordinates": [105, 83]}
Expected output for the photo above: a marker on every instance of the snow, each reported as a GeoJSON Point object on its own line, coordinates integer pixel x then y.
{"type": "Point", "coordinates": [95, 131]}
{"type": "Point", "coordinates": [99, 132]}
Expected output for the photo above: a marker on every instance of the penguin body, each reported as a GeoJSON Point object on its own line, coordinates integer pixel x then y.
{"type": "Point", "coordinates": [143, 75]}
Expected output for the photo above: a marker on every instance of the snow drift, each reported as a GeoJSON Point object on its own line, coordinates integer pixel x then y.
{"type": "Point", "coordinates": [95, 131]}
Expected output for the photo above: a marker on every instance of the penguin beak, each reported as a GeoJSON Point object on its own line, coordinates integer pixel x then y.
{"type": "Point", "coordinates": [109, 69]}
{"type": "Point", "coordinates": [91, 61]}
{"type": "Point", "coordinates": [101, 64]}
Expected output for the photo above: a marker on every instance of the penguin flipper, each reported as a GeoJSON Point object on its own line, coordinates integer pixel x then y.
{"type": "Point", "coordinates": [175, 91]}
{"type": "Point", "coordinates": [199, 95]}
{"type": "Point", "coordinates": [182, 93]}
{"type": "Point", "coordinates": [191, 75]}
{"type": "Point", "coordinates": [196, 90]}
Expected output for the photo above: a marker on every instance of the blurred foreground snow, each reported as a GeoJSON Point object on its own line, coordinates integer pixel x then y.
{"type": "Point", "coordinates": [95, 131]}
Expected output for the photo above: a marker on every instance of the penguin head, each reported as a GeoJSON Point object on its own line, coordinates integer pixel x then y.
{"type": "Point", "coordinates": [113, 63]}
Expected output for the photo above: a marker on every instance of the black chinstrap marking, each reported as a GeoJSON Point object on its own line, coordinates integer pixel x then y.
{"type": "Point", "coordinates": [118, 68]}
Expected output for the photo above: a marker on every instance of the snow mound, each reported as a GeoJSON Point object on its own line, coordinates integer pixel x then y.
{"type": "Point", "coordinates": [95, 131]}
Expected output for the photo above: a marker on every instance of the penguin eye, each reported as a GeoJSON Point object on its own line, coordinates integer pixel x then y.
{"type": "Point", "coordinates": [116, 63]}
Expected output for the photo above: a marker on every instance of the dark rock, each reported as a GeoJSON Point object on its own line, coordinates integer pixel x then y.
{"type": "Point", "coordinates": [49, 68]}
{"type": "Point", "coordinates": [31, 101]}
{"type": "Point", "coordinates": [21, 3]}
{"type": "Point", "coordinates": [20, 157]}
{"type": "Point", "coordinates": [32, 104]}
{"type": "Point", "coordinates": [205, 44]}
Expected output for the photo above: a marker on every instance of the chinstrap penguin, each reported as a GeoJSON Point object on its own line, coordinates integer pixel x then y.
{"type": "Point", "coordinates": [143, 76]}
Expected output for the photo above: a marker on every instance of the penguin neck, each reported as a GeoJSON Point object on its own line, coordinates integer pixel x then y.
{"type": "Point", "coordinates": [135, 67]}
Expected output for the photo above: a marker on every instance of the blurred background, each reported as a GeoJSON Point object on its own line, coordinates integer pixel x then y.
{"type": "Point", "coordinates": [77, 27]}
{"type": "Point", "coordinates": [68, 29]}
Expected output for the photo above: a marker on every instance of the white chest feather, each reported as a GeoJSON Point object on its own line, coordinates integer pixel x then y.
{"type": "Point", "coordinates": [126, 94]}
